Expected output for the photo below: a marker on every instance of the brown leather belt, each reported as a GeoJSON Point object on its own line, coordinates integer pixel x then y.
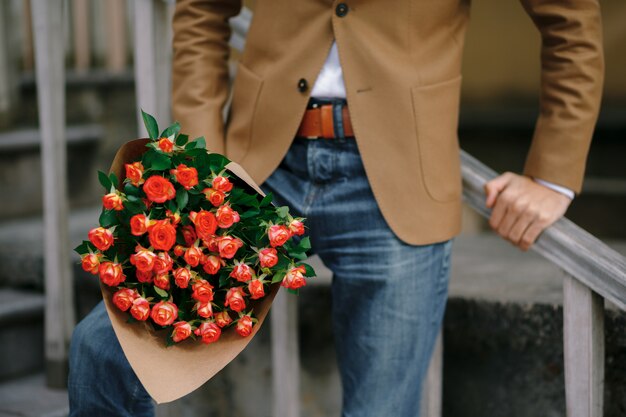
{"type": "Point", "coordinates": [319, 122]}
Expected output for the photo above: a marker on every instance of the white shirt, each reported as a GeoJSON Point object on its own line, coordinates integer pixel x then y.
{"type": "Point", "coordinates": [329, 83]}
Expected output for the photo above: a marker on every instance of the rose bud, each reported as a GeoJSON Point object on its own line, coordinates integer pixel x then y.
{"type": "Point", "coordinates": [166, 145]}
{"type": "Point", "coordinates": [162, 263]}
{"type": "Point", "coordinates": [182, 330]}
{"type": "Point", "coordinates": [294, 278]}
{"type": "Point", "coordinates": [158, 189]}
{"type": "Point", "coordinates": [111, 274]}
{"type": "Point", "coordinates": [164, 313]}
{"type": "Point", "coordinates": [182, 277]}
{"type": "Point", "coordinates": [139, 224]}
{"type": "Point", "coordinates": [204, 309]}
{"type": "Point", "coordinates": [244, 325]}
{"type": "Point", "coordinates": [235, 299]}
{"type": "Point", "coordinates": [202, 291]}
{"type": "Point", "coordinates": [278, 235]}
{"type": "Point", "coordinates": [222, 184]}
{"type": "Point", "coordinates": [185, 176]}
{"type": "Point", "coordinates": [91, 263]}
{"type": "Point", "coordinates": [228, 246]}
{"type": "Point", "coordinates": [143, 260]}
{"type": "Point", "coordinates": [123, 299]}
{"type": "Point", "coordinates": [134, 173]}
{"type": "Point", "coordinates": [101, 238]}
{"type": "Point", "coordinates": [268, 257]}
{"type": "Point", "coordinates": [140, 309]}
{"type": "Point", "coordinates": [113, 201]}
{"type": "Point", "coordinates": [296, 227]}
{"type": "Point", "coordinates": [189, 234]}
{"type": "Point", "coordinates": [212, 264]}
{"type": "Point", "coordinates": [242, 272]}
{"type": "Point", "coordinates": [162, 235]}
{"type": "Point", "coordinates": [193, 255]}
{"type": "Point", "coordinates": [255, 288]}
{"type": "Point", "coordinates": [209, 332]}
{"type": "Point", "coordinates": [162, 281]}
{"type": "Point", "coordinates": [223, 319]}
{"type": "Point", "coordinates": [212, 243]}
{"type": "Point", "coordinates": [215, 197]}
{"type": "Point", "coordinates": [226, 216]}
{"type": "Point", "coordinates": [179, 250]}
{"type": "Point", "coordinates": [205, 222]}
{"type": "Point", "coordinates": [144, 276]}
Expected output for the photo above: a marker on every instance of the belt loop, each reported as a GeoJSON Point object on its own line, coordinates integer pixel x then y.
{"type": "Point", "coordinates": [338, 120]}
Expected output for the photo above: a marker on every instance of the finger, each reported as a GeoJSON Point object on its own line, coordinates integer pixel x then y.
{"type": "Point", "coordinates": [498, 213]}
{"type": "Point", "coordinates": [507, 222]}
{"type": "Point", "coordinates": [521, 225]}
{"type": "Point", "coordinates": [530, 235]}
{"type": "Point", "coordinates": [495, 187]}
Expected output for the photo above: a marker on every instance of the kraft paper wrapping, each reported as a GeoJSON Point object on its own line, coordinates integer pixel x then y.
{"type": "Point", "coordinates": [169, 373]}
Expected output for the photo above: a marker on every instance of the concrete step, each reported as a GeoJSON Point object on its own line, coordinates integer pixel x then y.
{"type": "Point", "coordinates": [29, 397]}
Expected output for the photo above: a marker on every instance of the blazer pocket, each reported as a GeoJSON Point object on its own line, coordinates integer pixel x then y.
{"type": "Point", "coordinates": [436, 111]}
{"type": "Point", "coordinates": [246, 91]}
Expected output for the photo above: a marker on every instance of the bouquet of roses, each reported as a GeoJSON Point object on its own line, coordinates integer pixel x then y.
{"type": "Point", "coordinates": [188, 247]}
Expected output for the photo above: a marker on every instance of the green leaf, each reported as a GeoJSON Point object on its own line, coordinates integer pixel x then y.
{"type": "Point", "coordinates": [108, 218]}
{"type": "Point", "coordinates": [151, 125]}
{"type": "Point", "coordinates": [83, 248]}
{"type": "Point", "coordinates": [304, 244]}
{"type": "Point", "coordinates": [171, 130]}
{"type": "Point", "coordinates": [131, 190]}
{"type": "Point", "coordinates": [294, 292]}
{"type": "Point", "coordinates": [114, 180]}
{"type": "Point", "coordinates": [182, 140]}
{"type": "Point", "coordinates": [162, 293]}
{"type": "Point", "coordinates": [160, 162]}
{"type": "Point", "coordinates": [182, 198]}
{"type": "Point", "coordinates": [105, 181]}
{"type": "Point", "coordinates": [267, 200]}
{"type": "Point", "coordinates": [200, 143]}
{"type": "Point", "coordinates": [310, 272]}
{"type": "Point", "coordinates": [298, 255]}
{"type": "Point", "coordinates": [282, 212]}
{"type": "Point", "coordinates": [278, 276]}
{"type": "Point", "coordinates": [250, 213]}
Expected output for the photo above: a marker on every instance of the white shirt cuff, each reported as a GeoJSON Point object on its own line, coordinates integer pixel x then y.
{"type": "Point", "coordinates": [558, 188]}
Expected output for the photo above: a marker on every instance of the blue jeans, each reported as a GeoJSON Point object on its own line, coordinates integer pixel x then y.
{"type": "Point", "coordinates": [388, 296]}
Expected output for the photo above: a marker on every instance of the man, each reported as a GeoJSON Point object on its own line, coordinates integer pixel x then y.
{"type": "Point", "coordinates": [370, 91]}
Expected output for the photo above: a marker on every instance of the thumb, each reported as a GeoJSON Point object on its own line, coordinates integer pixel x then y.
{"type": "Point", "coordinates": [495, 187]}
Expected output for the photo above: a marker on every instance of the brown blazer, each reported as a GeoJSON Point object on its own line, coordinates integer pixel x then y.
{"type": "Point", "coordinates": [402, 68]}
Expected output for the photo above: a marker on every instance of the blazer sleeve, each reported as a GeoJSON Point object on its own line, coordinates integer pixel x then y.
{"type": "Point", "coordinates": [200, 80]}
{"type": "Point", "coordinates": [572, 76]}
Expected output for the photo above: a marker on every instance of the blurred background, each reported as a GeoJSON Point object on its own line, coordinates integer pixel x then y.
{"type": "Point", "coordinates": [503, 340]}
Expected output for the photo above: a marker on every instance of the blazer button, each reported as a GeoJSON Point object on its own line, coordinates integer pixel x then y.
{"type": "Point", "coordinates": [303, 85]}
{"type": "Point", "coordinates": [341, 10]}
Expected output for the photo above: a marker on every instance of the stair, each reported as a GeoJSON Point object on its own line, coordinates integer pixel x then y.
{"type": "Point", "coordinates": [29, 397]}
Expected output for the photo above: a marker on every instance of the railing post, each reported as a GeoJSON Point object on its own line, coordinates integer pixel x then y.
{"type": "Point", "coordinates": [59, 313]}
{"type": "Point", "coordinates": [82, 35]}
{"type": "Point", "coordinates": [8, 65]}
{"type": "Point", "coordinates": [583, 333]}
{"type": "Point", "coordinates": [285, 355]}
{"type": "Point", "coordinates": [433, 382]}
{"type": "Point", "coordinates": [115, 12]}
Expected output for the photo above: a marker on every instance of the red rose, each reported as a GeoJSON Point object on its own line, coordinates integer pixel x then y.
{"type": "Point", "coordinates": [185, 176]}
{"type": "Point", "coordinates": [204, 309]}
{"type": "Point", "coordinates": [164, 313]}
{"type": "Point", "coordinates": [242, 272]}
{"type": "Point", "coordinates": [294, 278]}
{"type": "Point", "coordinates": [255, 288]}
{"type": "Point", "coordinates": [189, 234]}
{"type": "Point", "coordinates": [166, 145]}
{"type": "Point", "coordinates": [244, 325]}
{"type": "Point", "coordinates": [123, 299]}
{"type": "Point", "coordinates": [111, 274]}
{"type": "Point", "coordinates": [235, 299]}
{"type": "Point", "coordinates": [162, 263]}
{"type": "Point", "coordinates": [226, 216]}
{"type": "Point", "coordinates": [162, 235]}
{"type": "Point", "coordinates": [212, 243]}
{"type": "Point", "coordinates": [296, 227]}
{"type": "Point", "coordinates": [268, 257]}
{"type": "Point", "coordinates": [143, 260]}
{"type": "Point", "coordinates": [222, 184]}
{"type": "Point", "coordinates": [182, 330]}
{"type": "Point", "coordinates": [139, 224]}
{"type": "Point", "coordinates": [205, 222]}
{"type": "Point", "coordinates": [228, 246]}
{"type": "Point", "coordinates": [113, 201]}
{"type": "Point", "coordinates": [140, 309]}
{"type": "Point", "coordinates": [162, 281]}
{"type": "Point", "coordinates": [134, 173]}
{"type": "Point", "coordinates": [101, 238]}
{"type": "Point", "coordinates": [193, 255]}
{"type": "Point", "coordinates": [91, 263]}
{"type": "Point", "coordinates": [179, 250]}
{"type": "Point", "coordinates": [278, 235]}
{"type": "Point", "coordinates": [223, 319]}
{"type": "Point", "coordinates": [209, 332]}
{"type": "Point", "coordinates": [182, 277]}
{"type": "Point", "coordinates": [202, 291]}
{"type": "Point", "coordinates": [212, 264]}
{"type": "Point", "coordinates": [158, 189]}
{"type": "Point", "coordinates": [215, 197]}
{"type": "Point", "coordinates": [144, 276]}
